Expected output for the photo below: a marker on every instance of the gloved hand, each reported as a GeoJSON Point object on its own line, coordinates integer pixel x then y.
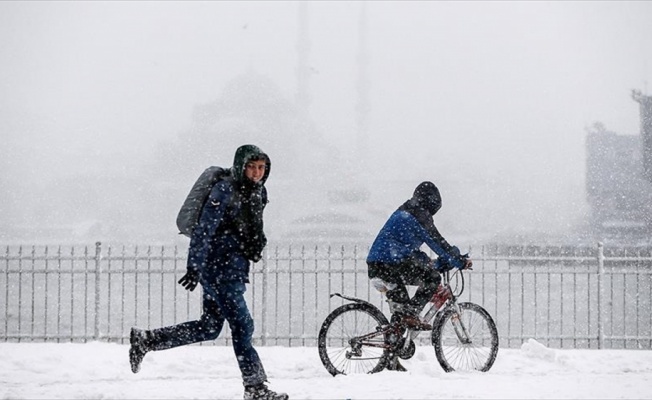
{"type": "Point", "coordinates": [468, 264]}
{"type": "Point", "coordinates": [464, 262]}
{"type": "Point", "coordinates": [252, 255]}
{"type": "Point", "coordinates": [253, 249]}
{"type": "Point", "coordinates": [461, 261]}
{"type": "Point", "coordinates": [255, 257]}
{"type": "Point", "coordinates": [189, 280]}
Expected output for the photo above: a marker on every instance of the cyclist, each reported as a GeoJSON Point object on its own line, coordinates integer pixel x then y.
{"type": "Point", "coordinates": [396, 258]}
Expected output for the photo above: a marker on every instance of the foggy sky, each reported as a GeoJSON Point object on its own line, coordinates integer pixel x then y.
{"type": "Point", "coordinates": [502, 91]}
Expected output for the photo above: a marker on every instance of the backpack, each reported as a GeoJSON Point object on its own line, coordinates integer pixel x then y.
{"type": "Point", "coordinates": [188, 217]}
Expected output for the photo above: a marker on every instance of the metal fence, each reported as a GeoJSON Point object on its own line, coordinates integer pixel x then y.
{"type": "Point", "coordinates": [566, 297]}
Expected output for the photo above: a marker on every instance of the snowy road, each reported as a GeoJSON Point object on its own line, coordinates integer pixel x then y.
{"type": "Point", "coordinates": [101, 370]}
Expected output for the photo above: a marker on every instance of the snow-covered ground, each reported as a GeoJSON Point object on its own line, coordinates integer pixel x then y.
{"type": "Point", "coordinates": [101, 371]}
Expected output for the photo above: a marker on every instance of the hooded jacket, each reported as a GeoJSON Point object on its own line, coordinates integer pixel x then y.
{"type": "Point", "coordinates": [409, 227]}
{"type": "Point", "coordinates": [230, 231]}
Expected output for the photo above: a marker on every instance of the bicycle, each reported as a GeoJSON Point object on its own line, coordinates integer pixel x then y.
{"type": "Point", "coordinates": [357, 337]}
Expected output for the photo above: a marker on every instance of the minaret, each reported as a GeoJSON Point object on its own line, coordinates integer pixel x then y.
{"type": "Point", "coordinates": [303, 52]}
{"type": "Point", "coordinates": [362, 107]}
{"type": "Point", "coordinates": [645, 105]}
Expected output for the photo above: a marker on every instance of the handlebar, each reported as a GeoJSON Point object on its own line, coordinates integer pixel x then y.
{"type": "Point", "coordinates": [455, 279]}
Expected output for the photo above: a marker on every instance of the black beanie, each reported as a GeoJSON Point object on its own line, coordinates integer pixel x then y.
{"type": "Point", "coordinates": [427, 197]}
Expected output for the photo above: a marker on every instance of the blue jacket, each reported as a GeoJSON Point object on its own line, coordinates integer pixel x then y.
{"type": "Point", "coordinates": [215, 246]}
{"type": "Point", "coordinates": [403, 234]}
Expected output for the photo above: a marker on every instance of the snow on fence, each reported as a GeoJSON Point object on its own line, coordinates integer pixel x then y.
{"type": "Point", "coordinates": [565, 297]}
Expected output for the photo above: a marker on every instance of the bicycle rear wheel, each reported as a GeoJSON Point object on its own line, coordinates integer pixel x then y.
{"type": "Point", "coordinates": [465, 342]}
{"type": "Point", "coordinates": [340, 348]}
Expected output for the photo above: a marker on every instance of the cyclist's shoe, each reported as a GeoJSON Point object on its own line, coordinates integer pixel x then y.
{"type": "Point", "coordinates": [138, 348]}
{"type": "Point", "coordinates": [261, 392]}
{"type": "Point", "coordinates": [441, 296]}
{"type": "Point", "coordinates": [413, 322]}
{"type": "Point", "coordinates": [395, 365]}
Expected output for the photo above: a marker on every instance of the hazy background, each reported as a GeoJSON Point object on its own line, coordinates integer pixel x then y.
{"type": "Point", "coordinates": [490, 100]}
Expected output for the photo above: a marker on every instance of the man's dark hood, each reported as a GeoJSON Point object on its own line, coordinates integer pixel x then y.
{"type": "Point", "coordinates": [243, 155]}
{"type": "Point", "coordinates": [426, 196]}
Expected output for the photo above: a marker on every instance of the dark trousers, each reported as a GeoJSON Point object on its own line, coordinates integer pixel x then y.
{"type": "Point", "coordinates": [222, 301]}
{"type": "Point", "coordinates": [416, 270]}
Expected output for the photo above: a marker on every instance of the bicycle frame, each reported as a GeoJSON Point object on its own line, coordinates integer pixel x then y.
{"type": "Point", "coordinates": [433, 310]}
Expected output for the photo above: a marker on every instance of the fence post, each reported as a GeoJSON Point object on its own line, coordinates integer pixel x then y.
{"type": "Point", "coordinates": [600, 278]}
{"type": "Point", "coordinates": [98, 268]}
{"type": "Point", "coordinates": [264, 301]}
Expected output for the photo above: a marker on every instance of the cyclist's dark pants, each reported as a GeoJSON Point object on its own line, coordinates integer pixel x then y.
{"type": "Point", "coordinates": [415, 271]}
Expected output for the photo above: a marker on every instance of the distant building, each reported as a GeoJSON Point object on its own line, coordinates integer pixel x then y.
{"type": "Point", "coordinates": [645, 103]}
{"type": "Point", "coordinates": [619, 179]}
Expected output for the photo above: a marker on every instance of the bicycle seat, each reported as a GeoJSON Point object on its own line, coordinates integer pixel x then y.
{"type": "Point", "coordinates": [381, 285]}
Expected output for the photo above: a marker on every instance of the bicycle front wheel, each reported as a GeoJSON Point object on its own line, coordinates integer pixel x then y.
{"type": "Point", "coordinates": [351, 341]}
{"type": "Point", "coordinates": [467, 341]}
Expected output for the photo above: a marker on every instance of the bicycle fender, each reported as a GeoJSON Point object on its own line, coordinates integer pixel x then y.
{"type": "Point", "coordinates": [353, 299]}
